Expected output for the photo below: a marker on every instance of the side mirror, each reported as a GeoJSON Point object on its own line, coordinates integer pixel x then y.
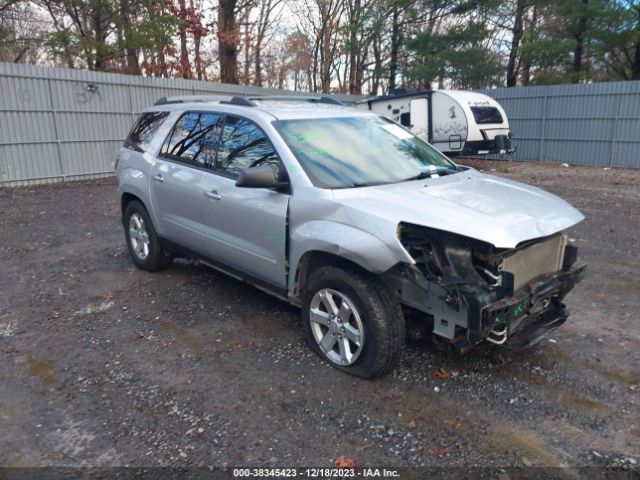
{"type": "Point", "coordinates": [264, 176]}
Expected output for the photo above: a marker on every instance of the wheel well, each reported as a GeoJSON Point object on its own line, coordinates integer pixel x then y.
{"type": "Point", "coordinates": [125, 200]}
{"type": "Point", "coordinates": [314, 259]}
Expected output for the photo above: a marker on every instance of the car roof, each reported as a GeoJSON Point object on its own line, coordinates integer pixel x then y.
{"type": "Point", "coordinates": [276, 107]}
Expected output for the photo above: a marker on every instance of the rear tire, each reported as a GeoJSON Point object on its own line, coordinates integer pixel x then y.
{"type": "Point", "coordinates": [142, 241]}
{"type": "Point", "coordinates": [353, 321]}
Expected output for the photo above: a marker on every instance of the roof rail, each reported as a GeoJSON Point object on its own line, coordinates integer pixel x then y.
{"type": "Point", "coordinates": [298, 98]}
{"type": "Point", "coordinates": [248, 101]}
{"type": "Point", "coordinates": [242, 101]}
{"type": "Point", "coordinates": [165, 101]}
{"type": "Point", "coordinates": [192, 98]}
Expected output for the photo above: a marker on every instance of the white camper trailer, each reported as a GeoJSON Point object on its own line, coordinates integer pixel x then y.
{"type": "Point", "coordinates": [455, 122]}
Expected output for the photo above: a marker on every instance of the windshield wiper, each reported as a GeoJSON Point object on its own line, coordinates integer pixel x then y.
{"type": "Point", "coordinates": [422, 175]}
{"type": "Point", "coordinates": [366, 184]}
{"type": "Point", "coordinates": [429, 173]}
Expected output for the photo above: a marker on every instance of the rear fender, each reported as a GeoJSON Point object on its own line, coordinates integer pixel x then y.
{"type": "Point", "coordinates": [136, 182]}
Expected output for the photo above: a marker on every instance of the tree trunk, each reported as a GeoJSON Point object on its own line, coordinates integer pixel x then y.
{"type": "Point", "coordinates": [162, 60]}
{"type": "Point", "coordinates": [635, 67]}
{"type": "Point", "coordinates": [377, 67]}
{"type": "Point", "coordinates": [313, 77]}
{"type": "Point", "coordinates": [246, 74]}
{"type": "Point", "coordinates": [518, 30]}
{"type": "Point", "coordinates": [325, 49]}
{"type": "Point", "coordinates": [228, 41]}
{"type": "Point", "coordinates": [357, 88]}
{"type": "Point", "coordinates": [526, 62]}
{"type": "Point", "coordinates": [578, 52]}
{"type": "Point", "coordinates": [197, 40]}
{"type": "Point", "coordinates": [354, 11]}
{"type": "Point", "coordinates": [185, 68]}
{"type": "Point", "coordinates": [395, 47]}
{"type": "Point", "coordinates": [257, 65]}
{"type": "Point", "coordinates": [130, 52]}
{"type": "Point", "coordinates": [161, 64]}
{"type": "Point", "coordinates": [101, 56]}
{"type": "Point", "coordinates": [257, 53]}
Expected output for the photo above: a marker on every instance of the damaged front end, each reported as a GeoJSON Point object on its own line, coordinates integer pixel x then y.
{"type": "Point", "coordinates": [467, 291]}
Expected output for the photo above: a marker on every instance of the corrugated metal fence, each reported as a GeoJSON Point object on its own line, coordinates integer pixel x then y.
{"type": "Point", "coordinates": [61, 124]}
{"type": "Point", "coordinates": [596, 124]}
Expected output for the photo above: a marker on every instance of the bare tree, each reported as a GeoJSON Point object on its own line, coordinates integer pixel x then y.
{"type": "Point", "coordinates": [20, 32]}
{"type": "Point", "coordinates": [323, 20]}
{"type": "Point", "coordinates": [365, 19]}
{"type": "Point", "coordinates": [268, 15]}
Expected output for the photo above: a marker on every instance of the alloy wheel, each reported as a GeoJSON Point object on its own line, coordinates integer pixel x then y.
{"type": "Point", "coordinates": [336, 326]}
{"type": "Point", "coordinates": [138, 236]}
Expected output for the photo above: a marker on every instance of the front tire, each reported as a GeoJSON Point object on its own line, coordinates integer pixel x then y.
{"type": "Point", "coordinates": [353, 321]}
{"type": "Point", "coordinates": [143, 243]}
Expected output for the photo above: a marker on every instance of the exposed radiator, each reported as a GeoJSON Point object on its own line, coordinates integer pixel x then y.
{"type": "Point", "coordinates": [529, 262]}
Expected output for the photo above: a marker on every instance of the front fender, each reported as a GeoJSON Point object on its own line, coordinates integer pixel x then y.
{"type": "Point", "coordinates": [345, 241]}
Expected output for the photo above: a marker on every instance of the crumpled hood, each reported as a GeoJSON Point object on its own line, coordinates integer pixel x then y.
{"type": "Point", "coordinates": [492, 209]}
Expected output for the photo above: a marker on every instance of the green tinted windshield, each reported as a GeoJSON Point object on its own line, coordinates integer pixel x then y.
{"type": "Point", "coordinates": [358, 151]}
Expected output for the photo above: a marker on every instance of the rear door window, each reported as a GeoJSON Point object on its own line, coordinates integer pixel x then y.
{"type": "Point", "coordinates": [244, 145]}
{"type": "Point", "coordinates": [144, 130]}
{"type": "Point", "coordinates": [484, 115]}
{"type": "Point", "coordinates": [194, 139]}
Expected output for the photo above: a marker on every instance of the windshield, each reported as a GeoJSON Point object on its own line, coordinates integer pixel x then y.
{"type": "Point", "coordinates": [360, 151]}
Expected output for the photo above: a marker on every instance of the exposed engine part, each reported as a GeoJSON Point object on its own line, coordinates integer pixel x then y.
{"type": "Point", "coordinates": [416, 331]}
{"type": "Point", "coordinates": [473, 291]}
{"type": "Point", "coordinates": [529, 261]}
{"type": "Point", "coordinates": [497, 336]}
{"type": "Point", "coordinates": [496, 278]}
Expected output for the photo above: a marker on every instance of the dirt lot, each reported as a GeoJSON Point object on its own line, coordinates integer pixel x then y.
{"type": "Point", "coordinates": [102, 364]}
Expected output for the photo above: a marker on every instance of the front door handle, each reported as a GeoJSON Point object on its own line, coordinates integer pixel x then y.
{"type": "Point", "coordinates": [158, 178]}
{"type": "Point", "coordinates": [213, 194]}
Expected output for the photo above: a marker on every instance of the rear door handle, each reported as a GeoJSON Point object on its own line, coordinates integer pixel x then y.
{"type": "Point", "coordinates": [213, 194]}
{"type": "Point", "coordinates": [158, 178]}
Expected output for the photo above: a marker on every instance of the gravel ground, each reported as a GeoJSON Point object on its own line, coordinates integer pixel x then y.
{"type": "Point", "coordinates": [104, 365]}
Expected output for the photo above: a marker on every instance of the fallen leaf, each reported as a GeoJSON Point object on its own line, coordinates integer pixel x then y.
{"type": "Point", "coordinates": [412, 424]}
{"type": "Point", "coordinates": [345, 462]}
{"type": "Point", "coordinates": [442, 374]}
{"type": "Point", "coordinates": [435, 451]}
{"type": "Point", "coordinates": [439, 451]}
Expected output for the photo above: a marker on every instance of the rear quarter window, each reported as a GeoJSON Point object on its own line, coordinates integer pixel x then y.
{"type": "Point", "coordinates": [484, 115]}
{"type": "Point", "coordinates": [144, 130]}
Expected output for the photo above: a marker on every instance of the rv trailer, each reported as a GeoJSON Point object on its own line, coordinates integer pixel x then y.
{"type": "Point", "coordinates": [455, 122]}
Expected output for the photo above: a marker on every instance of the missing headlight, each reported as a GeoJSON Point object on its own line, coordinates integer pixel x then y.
{"type": "Point", "coordinates": [449, 258]}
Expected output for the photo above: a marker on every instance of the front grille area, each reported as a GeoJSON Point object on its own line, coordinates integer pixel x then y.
{"type": "Point", "coordinates": [542, 257]}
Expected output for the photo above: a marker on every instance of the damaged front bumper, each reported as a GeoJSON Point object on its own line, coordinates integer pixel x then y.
{"type": "Point", "coordinates": [464, 292]}
{"type": "Point", "coordinates": [532, 312]}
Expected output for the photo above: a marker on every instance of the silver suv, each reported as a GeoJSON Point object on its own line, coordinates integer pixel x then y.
{"type": "Point", "coordinates": [371, 231]}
